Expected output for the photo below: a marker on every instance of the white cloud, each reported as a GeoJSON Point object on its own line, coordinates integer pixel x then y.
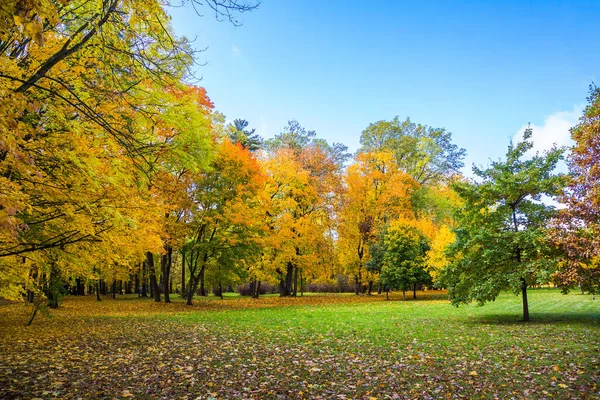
{"type": "Point", "coordinates": [235, 51]}
{"type": "Point", "coordinates": [554, 130]}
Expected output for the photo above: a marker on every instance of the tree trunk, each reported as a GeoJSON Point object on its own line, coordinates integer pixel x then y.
{"type": "Point", "coordinates": [221, 290]}
{"type": "Point", "coordinates": [144, 292]}
{"type": "Point", "coordinates": [414, 290]}
{"type": "Point", "coordinates": [182, 273]}
{"type": "Point", "coordinates": [403, 294]}
{"type": "Point", "coordinates": [370, 288]}
{"type": "Point", "coordinates": [202, 288]}
{"type": "Point", "coordinates": [257, 293]}
{"type": "Point", "coordinates": [356, 285]}
{"type": "Point", "coordinates": [114, 288]}
{"type": "Point", "coordinates": [98, 298]}
{"type": "Point", "coordinates": [379, 288]}
{"type": "Point", "coordinates": [153, 282]}
{"type": "Point", "coordinates": [166, 271]}
{"type": "Point", "coordinates": [387, 293]}
{"type": "Point", "coordinates": [295, 281]}
{"type": "Point", "coordinates": [525, 304]}
{"type": "Point", "coordinates": [193, 283]}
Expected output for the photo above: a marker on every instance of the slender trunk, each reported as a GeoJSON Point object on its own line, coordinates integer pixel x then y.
{"type": "Point", "coordinates": [114, 288]}
{"type": "Point", "coordinates": [356, 285]}
{"type": "Point", "coordinates": [370, 288]}
{"type": "Point", "coordinates": [182, 272]}
{"type": "Point", "coordinates": [253, 288]}
{"type": "Point", "coordinates": [301, 284]}
{"type": "Point", "coordinates": [379, 288]}
{"type": "Point", "coordinates": [295, 281]}
{"type": "Point", "coordinates": [387, 293]}
{"type": "Point", "coordinates": [193, 284]}
{"type": "Point", "coordinates": [202, 288]}
{"type": "Point", "coordinates": [414, 290]}
{"type": "Point", "coordinates": [257, 290]}
{"type": "Point", "coordinates": [221, 290]}
{"type": "Point", "coordinates": [166, 270]}
{"type": "Point", "coordinates": [144, 292]}
{"type": "Point", "coordinates": [98, 298]}
{"type": "Point", "coordinates": [153, 282]}
{"type": "Point", "coordinates": [525, 304]}
{"type": "Point", "coordinates": [403, 294]}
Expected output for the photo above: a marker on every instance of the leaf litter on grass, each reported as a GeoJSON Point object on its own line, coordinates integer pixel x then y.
{"type": "Point", "coordinates": [317, 347]}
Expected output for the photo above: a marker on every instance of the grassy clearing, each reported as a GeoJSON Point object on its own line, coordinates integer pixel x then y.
{"type": "Point", "coordinates": [328, 346]}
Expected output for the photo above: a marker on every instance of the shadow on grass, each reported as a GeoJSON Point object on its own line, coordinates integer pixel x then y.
{"type": "Point", "coordinates": [538, 318]}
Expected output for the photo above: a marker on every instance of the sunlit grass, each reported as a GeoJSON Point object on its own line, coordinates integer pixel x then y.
{"type": "Point", "coordinates": [316, 346]}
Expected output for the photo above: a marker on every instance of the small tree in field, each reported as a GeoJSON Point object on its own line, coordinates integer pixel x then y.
{"type": "Point", "coordinates": [501, 233]}
{"type": "Point", "coordinates": [403, 264]}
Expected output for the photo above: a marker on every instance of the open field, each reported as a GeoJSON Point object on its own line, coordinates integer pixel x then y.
{"type": "Point", "coordinates": [319, 346]}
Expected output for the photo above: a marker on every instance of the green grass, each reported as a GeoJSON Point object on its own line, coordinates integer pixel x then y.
{"type": "Point", "coordinates": [317, 347]}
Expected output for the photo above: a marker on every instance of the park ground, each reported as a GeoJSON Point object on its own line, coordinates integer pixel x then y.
{"type": "Point", "coordinates": [317, 346]}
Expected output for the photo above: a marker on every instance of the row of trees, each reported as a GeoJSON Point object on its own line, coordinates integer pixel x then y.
{"type": "Point", "coordinates": [113, 168]}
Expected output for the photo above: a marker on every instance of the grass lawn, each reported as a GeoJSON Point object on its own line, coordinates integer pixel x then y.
{"type": "Point", "coordinates": [318, 346]}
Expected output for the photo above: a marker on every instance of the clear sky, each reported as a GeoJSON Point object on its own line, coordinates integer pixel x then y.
{"type": "Point", "coordinates": [480, 69]}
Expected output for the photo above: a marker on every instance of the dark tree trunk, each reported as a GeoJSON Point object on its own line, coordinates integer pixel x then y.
{"type": "Point", "coordinates": [144, 292]}
{"type": "Point", "coordinates": [253, 288]}
{"type": "Point", "coordinates": [356, 285]}
{"type": "Point", "coordinates": [98, 298]}
{"type": "Point", "coordinates": [387, 293]}
{"type": "Point", "coordinates": [525, 304]}
{"type": "Point", "coordinates": [53, 288]}
{"type": "Point", "coordinates": [295, 281]}
{"type": "Point", "coordinates": [166, 270]}
{"type": "Point", "coordinates": [301, 284]}
{"type": "Point", "coordinates": [182, 272]}
{"type": "Point", "coordinates": [379, 288]}
{"type": "Point", "coordinates": [414, 290]}
{"type": "Point", "coordinates": [403, 294]}
{"type": "Point", "coordinates": [153, 282]}
{"type": "Point", "coordinates": [370, 288]}
{"type": "Point", "coordinates": [114, 288]}
{"type": "Point", "coordinates": [221, 290]}
{"type": "Point", "coordinates": [257, 290]}
{"type": "Point", "coordinates": [202, 288]}
{"type": "Point", "coordinates": [193, 284]}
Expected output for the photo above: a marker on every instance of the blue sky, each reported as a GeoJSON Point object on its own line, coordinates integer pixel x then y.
{"type": "Point", "coordinates": [480, 69]}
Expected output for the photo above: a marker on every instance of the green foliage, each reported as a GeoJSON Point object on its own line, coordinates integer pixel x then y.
{"type": "Point", "coordinates": [404, 258]}
{"type": "Point", "coordinates": [425, 153]}
{"type": "Point", "coordinates": [501, 234]}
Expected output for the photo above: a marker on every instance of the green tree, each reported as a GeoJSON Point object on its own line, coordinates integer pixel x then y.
{"type": "Point", "coordinates": [501, 235]}
{"type": "Point", "coordinates": [247, 138]}
{"type": "Point", "coordinates": [425, 153]}
{"type": "Point", "coordinates": [403, 263]}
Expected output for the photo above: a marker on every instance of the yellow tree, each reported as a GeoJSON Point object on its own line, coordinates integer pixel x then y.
{"type": "Point", "coordinates": [377, 191]}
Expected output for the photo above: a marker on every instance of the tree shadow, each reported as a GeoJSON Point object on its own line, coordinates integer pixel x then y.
{"type": "Point", "coordinates": [537, 318]}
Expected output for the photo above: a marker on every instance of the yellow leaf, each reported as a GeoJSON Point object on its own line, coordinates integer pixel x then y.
{"type": "Point", "coordinates": [562, 385]}
{"type": "Point", "coordinates": [473, 373]}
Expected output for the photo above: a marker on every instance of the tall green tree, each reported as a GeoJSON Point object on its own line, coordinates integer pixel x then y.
{"type": "Point", "coordinates": [247, 138]}
{"type": "Point", "coordinates": [501, 230]}
{"type": "Point", "coordinates": [425, 153]}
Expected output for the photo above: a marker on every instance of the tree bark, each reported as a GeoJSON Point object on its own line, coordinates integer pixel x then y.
{"type": "Point", "coordinates": [414, 290]}
{"type": "Point", "coordinates": [370, 288]}
{"type": "Point", "coordinates": [153, 281]}
{"type": "Point", "coordinates": [166, 270]}
{"type": "Point", "coordinates": [525, 304]}
{"type": "Point", "coordinates": [295, 282]}
{"type": "Point", "coordinates": [182, 272]}
{"type": "Point", "coordinates": [114, 288]}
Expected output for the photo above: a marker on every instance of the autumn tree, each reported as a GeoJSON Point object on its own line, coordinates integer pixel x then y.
{"type": "Point", "coordinates": [577, 230]}
{"type": "Point", "coordinates": [302, 192]}
{"type": "Point", "coordinates": [425, 153]}
{"type": "Point", "coordinates": [501, 228]}
{"type": "Point", "coordinates": [226, 218]}
{"type": "Point", "coordinates": [376, 192]}
{"type": "Point", "coordinates": [82, 134]}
